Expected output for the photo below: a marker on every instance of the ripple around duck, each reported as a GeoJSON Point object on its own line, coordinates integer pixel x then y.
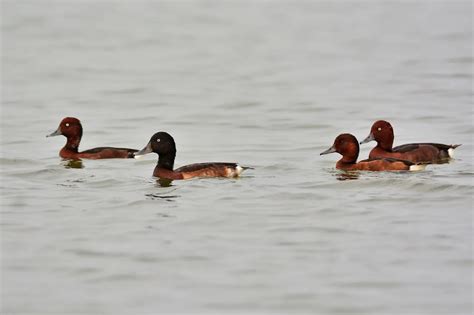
{"type": "Point", "coordinates": [97, 253]}
{"type": "Point", "coordinates": [103, 183]}
{"type": "Point", "coordinates": [461, 60]}
{"type": "Point", "coordinates": [131, 91]}
{"type": "Point", "coordinates": [44, 173]}
{"type": "Point", "coordinates": [441, 188]}
{"type": "Point", "coordinates": [402, 181]}
{"type": "Point", "coordinates": [162, 197]}
{"type": "Point", "coordinates": [239, 106]}
{"type": "Point", "coordinates": [4, 162]}
{"type": "Point", "coordinates": [312, 229]}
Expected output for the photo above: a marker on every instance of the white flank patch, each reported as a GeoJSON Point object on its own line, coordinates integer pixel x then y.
{"type": "Point", "coordinates": [137, 157]}
{"type": "Point", "coordinates": [451, 152]}
{"type": "Point", "coordinates": [417, 167]}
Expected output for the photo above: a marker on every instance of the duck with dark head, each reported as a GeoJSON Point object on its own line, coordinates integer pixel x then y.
{"type": "Point", "coordinates": [71, 128]}
{"type": "Point", "coordinates": [382, 133]}
{"type": "Point", "coordinates": [348, 146]}
{"type": "Point", "coordinates": [163, 144]}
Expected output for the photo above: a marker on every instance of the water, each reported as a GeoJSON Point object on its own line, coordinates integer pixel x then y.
{"type": "Point", "coordinates": [266, 84]}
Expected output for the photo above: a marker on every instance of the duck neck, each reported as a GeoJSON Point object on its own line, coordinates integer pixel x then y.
{"type": "Point", "coordinates": [348, 159]}
{"type": "Point", "coordinates": [350, 154]}
{"type": "Point", "coordinates": [72, 143]}
{"type": "Point", "coordinates": [386, 143]}
{"type": "Point", "coordinates": [385, 146]}
{"type": "Point", "coordinates": [344, 165]}
{"type": "Point", "coordinates": [166, 161]}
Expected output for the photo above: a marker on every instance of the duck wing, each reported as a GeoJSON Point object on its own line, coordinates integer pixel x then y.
{"type": "Point", "coordinates": [413, 146]}
{"type": "Point", "coordinates": [200, 166]}
{"type": "Point", "coordinates": [99, 149]}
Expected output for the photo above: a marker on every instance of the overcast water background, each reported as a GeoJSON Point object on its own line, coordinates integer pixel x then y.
{"type": "Point", "coordinates": [269, 84]}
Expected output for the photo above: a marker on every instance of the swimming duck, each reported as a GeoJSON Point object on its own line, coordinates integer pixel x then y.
{"type": "Point", "coordinates": [163, 144]}
{"type": "Point", "coordinates": [71, 128]}
{"type": "Point", "coordinates": [382, 133]}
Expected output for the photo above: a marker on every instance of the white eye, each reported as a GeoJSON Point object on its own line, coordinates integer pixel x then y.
{"type": "Point", "coordinates": [67, 124]}
{"type": "Point", "coordinates": [158, 140]}
{"type": "Point", "coordinates": [379, 128]}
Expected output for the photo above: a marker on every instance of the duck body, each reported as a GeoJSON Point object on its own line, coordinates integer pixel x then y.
{"type": "Point", "coordinates": [210, 169]}
{"type": "Point", "coordinates": [71, 128]}
{"type": "Point", "coordinates": [348, 146]}
{"type": "Point", "coordinates": [98, 153]}
{"type": "Point", "coordinates": [163, 144]}
{"type": "Point", "coordinates": [428, 153]}
{"type": "Point", "coordinates": [377, 164]}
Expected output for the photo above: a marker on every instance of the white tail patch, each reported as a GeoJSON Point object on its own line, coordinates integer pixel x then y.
{"type": "Point", "coordinates": [234, 172]}
{"type": "Point", "coordinates": [417, 167]}
{"type": "Point", "coordinates": [451, 152]}
{"type": "Point", "coordinates": [238, 170]}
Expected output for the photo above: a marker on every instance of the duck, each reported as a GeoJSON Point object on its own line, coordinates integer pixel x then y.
{"type": "Point", "coordinates": [429, 153]}
{"type": "Point", "coordinates": [164, 145]}
{"type": "Point", "coordinates": [71, 128]}
{"type": "Point", "coordinates": [347, 145]}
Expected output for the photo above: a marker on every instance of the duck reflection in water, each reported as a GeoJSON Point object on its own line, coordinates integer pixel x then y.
{"type": "Point", "coordinates": [164, 182]}
{"type": "Point", "coordinates": [344, 175]}
{"type": "Point", "coordinates": [72, 164]}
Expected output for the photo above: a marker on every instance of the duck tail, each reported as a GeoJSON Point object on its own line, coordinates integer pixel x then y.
{"type": "Point", "coordinates": [451, 150]}
{"type": "Point", "coordinates": [239, 169]}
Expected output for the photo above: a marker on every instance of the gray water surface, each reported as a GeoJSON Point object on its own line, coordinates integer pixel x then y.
{"type": "Point", "coordinates": [269, 85]}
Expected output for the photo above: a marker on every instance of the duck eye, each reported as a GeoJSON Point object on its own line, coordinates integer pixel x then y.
{"type": "Point", "coordinates": [158, 140]}
{"type": "Point", "coordinates": [67, 124]}
{"type": "Point", "coordinates": [379, 128]}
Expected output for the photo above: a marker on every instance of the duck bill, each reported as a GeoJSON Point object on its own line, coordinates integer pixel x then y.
{"type": "Point", "coordinates": [330, 150]}
{"type": "Point", "coordinates": [56, 133]}
{"type": "Point", "coordinates": [368, 139]}
{"type": "Point", "coordinates": [144, 151]}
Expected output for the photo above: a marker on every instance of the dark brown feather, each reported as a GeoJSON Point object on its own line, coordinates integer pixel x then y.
{"type": "Point", "coordinates": [200, 166]}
